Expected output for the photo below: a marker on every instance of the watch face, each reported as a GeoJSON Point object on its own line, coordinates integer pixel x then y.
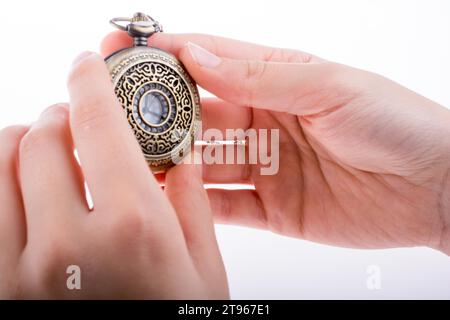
{"type": "Point", "coordinates": [160, 100]}
{"type": "Point", "coordinates": [154, 108]}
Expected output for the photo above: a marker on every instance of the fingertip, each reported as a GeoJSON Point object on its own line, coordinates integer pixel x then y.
{"type": "Point", "coordinates": [81, 58]}
{"type": "Point", "coordinates": [211, 72]}
{"type": "Point", "coordinates": [185, 55]}
{"type": "Point", "coordinates": [192, 63]}
{"type": "Point", "coordinates": [13, 134]}
{"type": "Point", "coordinates": [115, 41]}
{"type": "Point", "coordinates": [61, 109]}
{"type": "Point", "coordinates": [84, 66]}
{"type": "Point", "coordinates": [169, 42]}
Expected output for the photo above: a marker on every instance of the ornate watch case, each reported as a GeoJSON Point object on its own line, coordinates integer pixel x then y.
{"type": "Point", "coordinates": [159, 98]}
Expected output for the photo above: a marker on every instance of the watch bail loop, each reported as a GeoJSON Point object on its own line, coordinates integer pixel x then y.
{"type": "Point", "coordinates": [140, 27]}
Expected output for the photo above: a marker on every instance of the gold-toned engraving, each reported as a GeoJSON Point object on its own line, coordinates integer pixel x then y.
{"type": "Point", "coordinates": [149, 78]}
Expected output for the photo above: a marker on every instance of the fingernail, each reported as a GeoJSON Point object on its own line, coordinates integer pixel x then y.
{"type": "Point", "coordinates": [81, 57]}
{"type": "Point", "coordinates": [202, 56]}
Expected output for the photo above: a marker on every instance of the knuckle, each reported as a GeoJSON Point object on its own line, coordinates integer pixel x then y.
{"type": "Point", "coordinates": [255, 74]}
{"type": "Point", "coordinates": [335, 73]}
{"type": "Point", "coordinates": [129, 215]}
{"type": "Point", "coordinates": [255, 70]}
{"type": "Point", "coordinates": [50, 262]}
{"type": "Point", "coordinates": [55, 253]}
{"type": "Point", "coordinates": [287, 56]}
{"type": "Point", "coordinates": [40, 135]}
{"type": "Point", "coordinates": [128, 226]}
{"type": "Point", "coordinates": [9, 141]}
{"type": "Point", "coordinates": [58, 110]}
{"type": "Point", "coordinates": [330, 87]}
{"type": "Point", "coordinates": [294, 56]}
{"type": "Point", "coordinates": [12, 133]}
{"type": "Point", "coordinates": [273, 54]}
{"type": "Point", "coordinates": [32, 140]}
{"type": "Point", "coordinates": [342, 82]}
{"type": "Point", "coordinates": [80, 71]}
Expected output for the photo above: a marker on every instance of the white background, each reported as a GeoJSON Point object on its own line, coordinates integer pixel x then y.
{"type": "Point", "coordinates": [407, 41]}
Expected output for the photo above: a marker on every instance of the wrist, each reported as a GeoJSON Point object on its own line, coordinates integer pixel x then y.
{"type": "Point", "coordinates": [444, 198]}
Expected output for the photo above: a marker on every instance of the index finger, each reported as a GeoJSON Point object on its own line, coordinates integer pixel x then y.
{"type": "Point", "coordinates": [224, 47]}
{"type": "Point", "coordinates": [112, 161]}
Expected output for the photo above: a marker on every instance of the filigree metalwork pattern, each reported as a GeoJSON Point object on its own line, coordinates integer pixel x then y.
{"type": "Point", "coordinates": [151, 69]}
{"type": "Point", "coordinates": [134, 82]}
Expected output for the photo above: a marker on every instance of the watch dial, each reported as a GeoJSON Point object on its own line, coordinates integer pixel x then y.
{"type": "Point", "coordinates": [154, 108]}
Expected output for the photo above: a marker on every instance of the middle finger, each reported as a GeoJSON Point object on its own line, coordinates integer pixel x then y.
{"type": "Point", "coordinates": [51, 180]}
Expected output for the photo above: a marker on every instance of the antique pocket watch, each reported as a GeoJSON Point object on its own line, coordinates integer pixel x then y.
{"type": "Point", "coordinates": [160, 99]}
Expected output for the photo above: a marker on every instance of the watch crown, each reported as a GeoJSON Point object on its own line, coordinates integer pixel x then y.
{"type": "Point", "coordinates": [141, 26]}
{"type": "Point", "coordinates": [139, 16]}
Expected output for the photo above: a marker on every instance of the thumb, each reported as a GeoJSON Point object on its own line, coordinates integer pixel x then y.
{"type": "Point", "coordinates": [297, 88]}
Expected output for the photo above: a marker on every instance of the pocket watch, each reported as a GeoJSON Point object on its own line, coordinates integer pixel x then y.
{"type": "Point", "coordinates": [159, 98]}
